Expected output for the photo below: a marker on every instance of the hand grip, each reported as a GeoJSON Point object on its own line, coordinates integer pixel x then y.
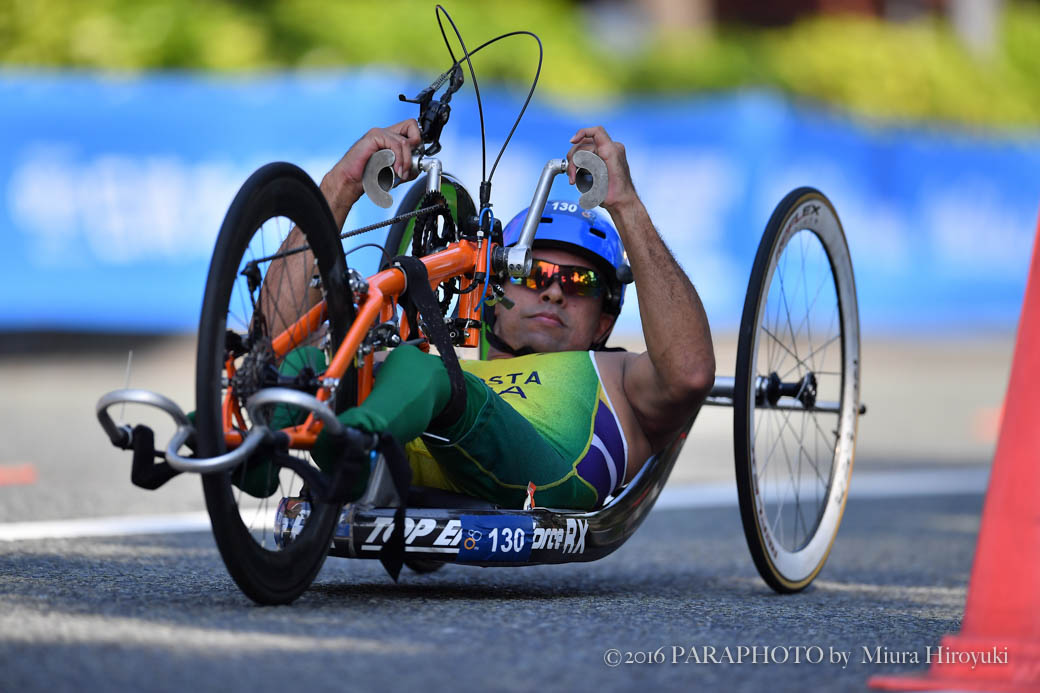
{"type": "Point", "coordinates": [591, 178]}
{"type": "Point", "coordinates": [379, 177]}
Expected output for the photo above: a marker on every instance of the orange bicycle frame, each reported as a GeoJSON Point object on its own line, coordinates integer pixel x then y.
{"type": "Point", "coordinates": [463, 258]}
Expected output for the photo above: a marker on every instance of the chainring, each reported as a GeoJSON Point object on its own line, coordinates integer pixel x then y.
{"type": "Point", "coordinates": [430, 236]}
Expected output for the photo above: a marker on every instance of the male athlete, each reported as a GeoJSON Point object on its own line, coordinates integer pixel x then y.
{"type": "Point", "coordinates": [549, 406]}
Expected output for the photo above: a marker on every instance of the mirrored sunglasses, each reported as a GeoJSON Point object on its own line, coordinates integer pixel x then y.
{"type": "Point", "coordinates": [574, 280]}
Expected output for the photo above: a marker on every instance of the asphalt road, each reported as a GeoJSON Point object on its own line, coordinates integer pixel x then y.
{"type": "Point", "coordinates": [159, 613]}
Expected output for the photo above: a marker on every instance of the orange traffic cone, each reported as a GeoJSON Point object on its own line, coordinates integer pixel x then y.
{"type": "Point", "coordinates": [1002, 615]}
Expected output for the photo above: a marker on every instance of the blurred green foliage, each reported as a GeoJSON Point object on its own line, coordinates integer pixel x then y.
{"type": "Point", "coordinates": [908, 71]}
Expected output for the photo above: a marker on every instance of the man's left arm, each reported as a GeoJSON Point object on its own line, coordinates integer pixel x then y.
{"type": "Point", "coordinates": [666, 385]}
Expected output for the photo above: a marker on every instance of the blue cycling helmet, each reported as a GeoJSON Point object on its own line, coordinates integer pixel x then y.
{"type": "Point", "coordinates": [567, 226]}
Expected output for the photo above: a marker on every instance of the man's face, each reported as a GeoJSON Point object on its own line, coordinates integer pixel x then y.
{"type": "Point", "coordinates": [549, 320]}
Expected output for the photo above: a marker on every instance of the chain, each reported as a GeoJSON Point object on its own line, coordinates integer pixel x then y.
{"type": "Point", "coordinates": [348, 234]}
{"type": "Point", "coordinates": [393, 220]}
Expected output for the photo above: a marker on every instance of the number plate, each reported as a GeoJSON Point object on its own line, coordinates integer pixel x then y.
{"type": "Point", "coordinates": [495, 538]}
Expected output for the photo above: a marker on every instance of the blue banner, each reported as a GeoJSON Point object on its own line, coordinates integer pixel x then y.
{"type": "Point", "coordinates": [114, 188]}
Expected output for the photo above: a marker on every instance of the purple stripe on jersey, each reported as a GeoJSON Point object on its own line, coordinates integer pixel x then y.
{"type": "Point", "coordinates": [606, 428]}
{"type": "Point", "coordinates": [593, 469]}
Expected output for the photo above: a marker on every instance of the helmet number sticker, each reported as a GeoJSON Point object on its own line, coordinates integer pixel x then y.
{"type": "Point", "coordinates": [565, 207]}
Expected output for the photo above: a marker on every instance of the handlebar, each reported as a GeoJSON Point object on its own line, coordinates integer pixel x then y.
{"type": "Point", "coordinates": [591, 180]}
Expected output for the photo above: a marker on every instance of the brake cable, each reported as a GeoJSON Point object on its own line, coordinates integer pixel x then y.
{"type": "Point", "coordinates": [485, 184]}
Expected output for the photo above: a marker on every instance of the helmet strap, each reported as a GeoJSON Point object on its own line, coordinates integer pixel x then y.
{"type": "Point", "coordinates": [500, 345]}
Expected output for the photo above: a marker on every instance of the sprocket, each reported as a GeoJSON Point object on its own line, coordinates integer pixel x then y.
{"type": "Point", "coordinates": [426, 238]}
{"type": "Point", "coordinates": [256, 370]}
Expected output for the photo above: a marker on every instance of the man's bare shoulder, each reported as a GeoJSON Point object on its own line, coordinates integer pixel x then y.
{"type": "Point", "coordinates": [612, 364]}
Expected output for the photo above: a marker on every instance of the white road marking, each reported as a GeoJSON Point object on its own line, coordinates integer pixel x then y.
{"type": "Point", "coordinates": [41, 628]}
{"type": "Point", "coordinates": [105, 526]}
{"type": "Point", "coordinates": [918, 482]}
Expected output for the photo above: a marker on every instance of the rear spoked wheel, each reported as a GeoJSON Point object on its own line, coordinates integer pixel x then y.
{"type": "Point", "coordinates": [253, 293]}
{"type": "Point", "coordinates": [796, 394]}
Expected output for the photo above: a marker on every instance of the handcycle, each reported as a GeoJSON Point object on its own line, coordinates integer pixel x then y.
{"type": "Point", "coordinates": [795, 392]}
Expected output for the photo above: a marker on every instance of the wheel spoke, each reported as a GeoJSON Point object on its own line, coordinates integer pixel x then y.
{"type": "Point", "coordinates": [822, 346]}
{"type": "Point", "coordinates": [801, 447]}
{"type": "Point", "coordinates": [784, 347]}
{"type": "Point", "coordinates": [823, 434]}
{"type": "Point", "coordinates": [802, 454]}
{"type": "Point", "coordinates": [769, 455]}
{"type": "Point", "coordinates": [805, 295]}
{"type": "Point", "coordinates": [806, 322]}
{"type": "Point", "coordinates": [777, 523]}
{"type": "Point", "coordinates": [787, 311]}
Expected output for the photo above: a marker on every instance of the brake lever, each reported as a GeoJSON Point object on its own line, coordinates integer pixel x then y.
{"type": "Point", "coordinates": [434, 114]}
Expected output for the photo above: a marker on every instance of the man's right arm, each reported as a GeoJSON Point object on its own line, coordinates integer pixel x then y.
{"type": "Point", "coordinates": [666, 385]}
{"type": "Point", "coordinates": [342, 185]}
{"type": "Point", "coordinates": [341, 188]}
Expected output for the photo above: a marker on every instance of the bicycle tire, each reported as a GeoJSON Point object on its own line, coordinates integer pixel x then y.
{"type": "Point", "coordinates": [805, 225]}
{"type": "Point", "coordinates": [265, 571]}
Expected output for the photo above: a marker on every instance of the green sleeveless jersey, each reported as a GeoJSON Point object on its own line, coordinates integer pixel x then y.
{"type": "Point", "coordinates": [566, 440]}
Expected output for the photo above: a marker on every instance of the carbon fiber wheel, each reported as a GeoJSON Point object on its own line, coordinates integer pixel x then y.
{"type": "Point", "coordinates": [796, 395]}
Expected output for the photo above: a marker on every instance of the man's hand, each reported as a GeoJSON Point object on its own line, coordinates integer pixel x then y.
{"type": "Point", "coordinates": [342, 185]}
{"type": "Point", "coordinates": [666, 385]}
{"type": "Point", "coordinates": [620, 190]}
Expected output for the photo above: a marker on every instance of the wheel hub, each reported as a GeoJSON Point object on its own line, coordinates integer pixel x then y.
{"type": "Point", "coordinates": [771, 389]}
